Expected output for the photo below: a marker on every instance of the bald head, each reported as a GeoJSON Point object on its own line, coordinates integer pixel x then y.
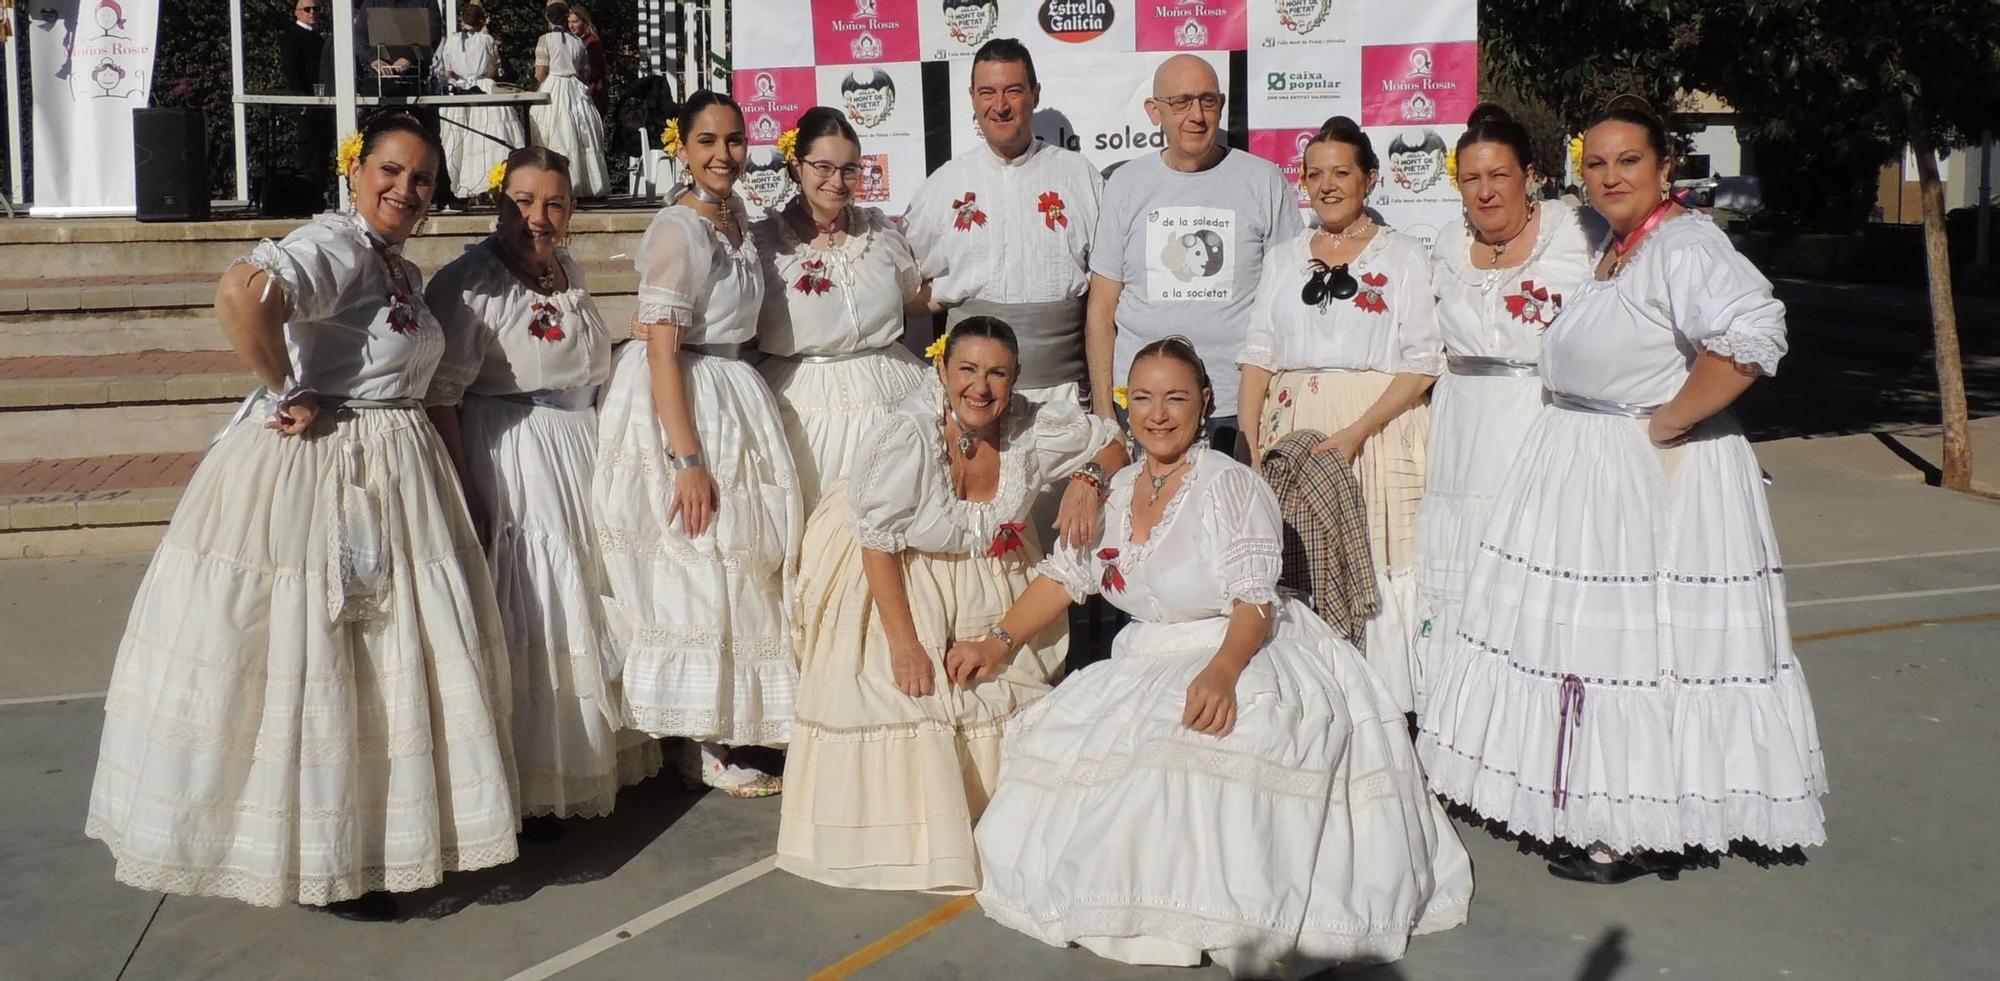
{"type": "Point", "coordinates": [1187, 107]}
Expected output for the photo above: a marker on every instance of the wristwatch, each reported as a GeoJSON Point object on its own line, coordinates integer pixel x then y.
{"type": "Point", "coordinates": [1091, 472]}
{"type": "Point", "coordinates": [999, 633]}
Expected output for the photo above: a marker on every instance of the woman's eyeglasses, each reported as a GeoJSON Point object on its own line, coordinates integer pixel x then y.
{"type": "Point", "coordinates": [1325, 284]}
{"type": "Point", "coordinates": [850, 173]}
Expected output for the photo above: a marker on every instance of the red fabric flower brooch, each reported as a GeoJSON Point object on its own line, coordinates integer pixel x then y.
{"type": "Point", "coordinates": [968, 212]}
{"type": "Point", "coordinates": [1113, 581]}
{"type": "Point", "coordinates": [546, 323]}
{"type": "Point", "coordinates": [812, 279]}
{"type": "Point", "coordinates": [1534, 305]}
{"type": "Point", "coordinates": [1007, 539]}
{"type": "Point", "coordinates": [1371, 296]}
{"type": "Point", "coordinates": [402, 316]}
{"type": "Point", "coordinates": [1051, 206]}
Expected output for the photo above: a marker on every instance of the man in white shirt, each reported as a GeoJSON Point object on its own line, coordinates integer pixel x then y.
{"type": "Point", "coordinates": [1004, 231]}
{"type": "Point", "coordinates": [1181, 240]}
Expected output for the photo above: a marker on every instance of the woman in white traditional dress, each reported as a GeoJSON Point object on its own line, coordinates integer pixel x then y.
{"type": "Point", "coordinates": [840, 277]}
{"type": "Point", "coordinates": [1623, 681]}
{"type": "Point", "coordinates": [1235, 782]}
{"type": "Point", "coordinates": [568, 123]}
{"type": "Point", "coordinates": [513, 398]}
{"type": "Point", "coordinates": [310, 702]}
{"type": "Point", "coordinates": [1344, 340]}
{"type": "Point", "coordinates": [926, 544]}
{"type": "Point", "coordinates": [1501, 279]}
{"type": "Point", "coordinates": [695, 497]}
{"type": "Point", "coordinates": [475, 137]}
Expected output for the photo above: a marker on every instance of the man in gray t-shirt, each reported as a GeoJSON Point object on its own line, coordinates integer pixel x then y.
{"type": "Point", "coordinates": [1180, 242]}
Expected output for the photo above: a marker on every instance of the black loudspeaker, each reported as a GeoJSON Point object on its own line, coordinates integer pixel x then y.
{"type": "Point", "coordinates": [170, 164]}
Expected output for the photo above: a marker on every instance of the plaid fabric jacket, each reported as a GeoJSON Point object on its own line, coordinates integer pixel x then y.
{"type": "Point", "coordinates": [1326, 533]}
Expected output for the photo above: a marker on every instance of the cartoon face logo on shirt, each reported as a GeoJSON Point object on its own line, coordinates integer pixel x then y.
{"type": "Point", "coordinates": [1194, 255]}
{"type": "Point", "coordinates": [545, 323]}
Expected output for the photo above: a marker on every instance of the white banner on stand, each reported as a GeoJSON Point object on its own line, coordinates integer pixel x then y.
{"type": "Point", "coordinates": [92, 64]}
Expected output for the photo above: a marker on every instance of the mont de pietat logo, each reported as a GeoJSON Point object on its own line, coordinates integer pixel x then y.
{"type": "Point", "coordinates": [869, 97]}
{"type": "Point", "coordinates": [1302, 16]}
{"type": "Point", "coordinates": [1075, 21]}
{"type": "Point", "coordinates": [970, 22]}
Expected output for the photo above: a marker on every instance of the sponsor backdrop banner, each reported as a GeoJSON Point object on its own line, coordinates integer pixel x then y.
{"type": "Point", "coordinates": [92, 64]}
{"type": "Point", "coordinates": [1407, 72]}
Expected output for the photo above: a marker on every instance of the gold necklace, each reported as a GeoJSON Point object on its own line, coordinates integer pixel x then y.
{"type": "Point", "coordinates": [1500, 248]}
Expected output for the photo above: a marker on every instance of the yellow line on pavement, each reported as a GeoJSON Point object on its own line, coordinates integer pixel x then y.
{"type": "Point", "coordinates": [902, 937]}
{"type": "Point", "coordinates": [1881, 628]}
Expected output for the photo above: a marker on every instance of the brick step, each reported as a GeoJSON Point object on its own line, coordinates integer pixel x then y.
{"type": "Point", "coordinates": [86, 505]}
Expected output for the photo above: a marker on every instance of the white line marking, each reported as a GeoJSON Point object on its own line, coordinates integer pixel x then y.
{"type": "Point", "coordinates": [644, 922]}
{"type": "Point", "coordinates": [1912, 594]}
{"type": "Point", "coordinates": [1889, 558]}
{"type": "Point", "coordinates": [44, 699]}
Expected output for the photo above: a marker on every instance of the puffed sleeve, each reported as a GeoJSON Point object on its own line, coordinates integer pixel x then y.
{"type": "Point", "coordinates": [1240, 517]}
{"type": "Point", "coordinates": [1260, 342]}
{"type": "Point", "coordinates": [1419, 336]}
{"type": "Point", "coordinates": [1077, 570]}
{"type": "Point", "coordinates": [542, 49]}
{"type": "Point", "coordinates": [466, 312]}
{"type": "Point", "coordinates": [909, 277]}
{"type": "Point", "coordinates": [1721, 302]}
{"type": "Point", "coordinates": [922, 224]}
{"type": "Point", "coordinates": [887, 482]}
{"type": "Point", "coordinates": [316, 267]}
{"type": "Point", "coordinates": [1066, 437]}
{"type": "Point", "coordinates": [674, 263]}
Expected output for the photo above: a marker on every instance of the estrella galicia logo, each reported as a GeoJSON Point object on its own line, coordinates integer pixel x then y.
{"type": "Point", "coordinates": [1075, 21]}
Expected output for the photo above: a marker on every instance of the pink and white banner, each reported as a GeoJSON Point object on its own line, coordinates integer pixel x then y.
{"type": "Point", "coordinates": [92, 64]}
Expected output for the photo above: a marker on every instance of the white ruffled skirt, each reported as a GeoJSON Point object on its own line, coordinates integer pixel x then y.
{"type": "Point", "coordinates": [1478, 424]}
{"type": "Point", "coordinates": [708, 648]}
{"type": "Point", "coordinates": [310, 701]}
{"type": "Point", "coordinates": [828, 407]}
{"type": "Point", "coordinates": [531, 465]}
{"type": "Point", "coordinates": [570, 125]}
{"type": "Point", "coordinates": [475, 139]}
{"type": "Point", "coordinates": [1303, 838]}
{"type": "Point", "coordinates": [1623, 672]}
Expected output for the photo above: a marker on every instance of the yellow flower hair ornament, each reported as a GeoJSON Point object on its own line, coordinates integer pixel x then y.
{"type": "Point", "coordinates": [348, 155]}
{"type": "Point", "coordinates": [496, 179]}
{"type": "Point", "coordinates": [936, 351]}
{"type": "Point", "coordinates": [788, 145]}
{"type": "Point", "coordinates": [1451, 165]}
{"type": "Point", "coordinates": [1576, 156]}
{"type": "Point", "coordinates": [670, 138]}
{"type": "Point", "coordinates": [1119, 396]}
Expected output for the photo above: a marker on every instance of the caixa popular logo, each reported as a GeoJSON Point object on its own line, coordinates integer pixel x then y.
{"type": "Point", "coordinates": [869, 97]}
{"type": "Point", "coordinates": [1301, 84]}
{"type": "Point", "coordinates": [1075, 21]}
{"type": "Point", "coordinates": [970, 22]}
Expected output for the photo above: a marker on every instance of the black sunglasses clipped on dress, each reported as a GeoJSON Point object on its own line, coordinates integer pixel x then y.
{"type": "Point", "coordinates": [1325, 284]}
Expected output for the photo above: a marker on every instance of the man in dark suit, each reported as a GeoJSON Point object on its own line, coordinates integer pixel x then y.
{"type": "Point", "coordinates": [299, 53]}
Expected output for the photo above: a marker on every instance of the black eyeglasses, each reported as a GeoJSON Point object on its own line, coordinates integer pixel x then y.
{"type": "Point", "coordinates": [1326, 284]}
{"type": "Point", "coordinates": [849, 173]}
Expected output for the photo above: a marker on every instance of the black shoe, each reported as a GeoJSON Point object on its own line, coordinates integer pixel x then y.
{"type": "Point", "coordinates": [373, 907]}
{"type": "Point", "coordinates": [1579, 867]}
{"type": "Point", "coordinates": [541, 829]}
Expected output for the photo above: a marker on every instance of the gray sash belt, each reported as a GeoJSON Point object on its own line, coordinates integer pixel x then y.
{"type": "Point", "coordinates": [1602, 407]}
{"type": "Point", "coordinates": [1051, 336]}
{"type": "Point", "coordinates": [732, 351]}
{"type": "Point", "coordinates": [832, 358]}
{"type": "Point", "coordinates": [567, 398]}
{"type": "Point", "coordinates": [340, 403]}
{"type": "Point", "coordinates": [1490, 367]}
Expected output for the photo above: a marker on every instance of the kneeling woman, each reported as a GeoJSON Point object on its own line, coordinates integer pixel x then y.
{"type": "Point", "coordinates": [1236, 780]}
{"type": "Point", "coordinates": [889, 764]}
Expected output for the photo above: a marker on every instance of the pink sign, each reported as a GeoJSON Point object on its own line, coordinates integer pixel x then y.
{"type": "Point", "coordinates": [773, 99]}
{"type": "Point", "coordinates": [858, 32]}
{"type": "Point", "coordinates": [1193, 25]}
{"type": "Point", "coordinates": [1419, 83]}
{"type": "Point", "coordinates": [1287, 149]}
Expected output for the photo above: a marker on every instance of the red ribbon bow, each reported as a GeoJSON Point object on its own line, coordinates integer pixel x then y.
{"type": "Point", "coordinates": [1007, 539]}
{"type": "Point", "coordinates": [1113, 579]}
{"type": "Point", "coordinates": [1051, 206]}
{"type": "Point", "coordinates": [1370, 297]}
{"type": "Point", "coordinates": [811, 282]}
{"type": "Point", "coordinates": [968, 212]}
{"type": "Point", "coordinates": [546, 324]}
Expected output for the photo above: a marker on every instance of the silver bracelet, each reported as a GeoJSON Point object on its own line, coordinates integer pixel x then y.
{"type": "Point", "coordinates": [688, 462]}
{"type": "Point", "coordinates": [999, 633]}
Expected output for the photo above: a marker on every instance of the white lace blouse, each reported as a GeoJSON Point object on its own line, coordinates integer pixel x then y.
{"type": "Point", "coordinates": [839, 300]}
{"type": "Point", "coordinates": [502, 338]}
{"type": "Point", "coordinates": [1219, 541]}
{"type": "Point", "coordinates": [1633, 338]}
{"type": "Point", "coordinates": [903, 498]}
{"type": "Point", "coordinates": [350, 330]}
{"type": "Point", "coordinates": [561, 52]}
{"type": "Point", "coordinates": [691, 277]}
{"type": "Point", "coordinates": [1502, 313]}
{"type": "Point", "coordinates": [1389, 325]}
